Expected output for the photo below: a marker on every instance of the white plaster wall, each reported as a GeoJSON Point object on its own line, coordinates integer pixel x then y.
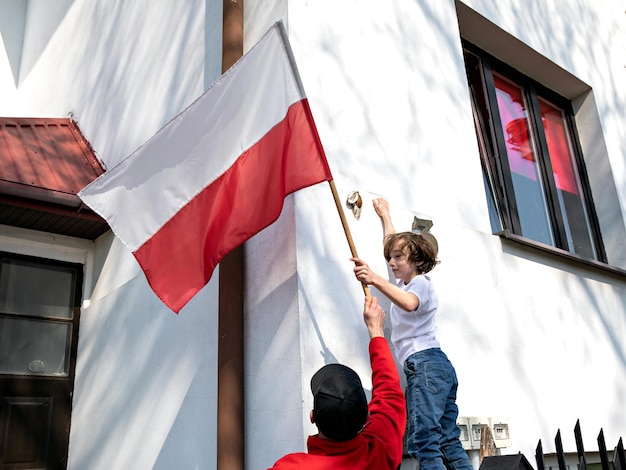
{"type": "Point", "coordinates": [11, 34]}
{"type": "Point", "coordinates": [145, 392]}
{"type": "Point", "coordinates": [534, 338]}
{"type": "Point", "coordinates": [273, 376]}
{"type": "Point", "coordinates": [146, 383]}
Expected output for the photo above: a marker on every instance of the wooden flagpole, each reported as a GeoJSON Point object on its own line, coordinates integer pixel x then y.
{"type": "Point", "coordinates": [346, 229]}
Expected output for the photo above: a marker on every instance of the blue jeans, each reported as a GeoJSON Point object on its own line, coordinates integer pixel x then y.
{"type": "Point", "coordinates": [433, 435]}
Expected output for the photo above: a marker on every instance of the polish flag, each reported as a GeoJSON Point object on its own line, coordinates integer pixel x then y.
{"type": "Point", "coordinates": [216, 174]}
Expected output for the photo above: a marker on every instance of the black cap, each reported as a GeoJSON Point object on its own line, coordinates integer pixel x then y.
{"type": "Point", "coordinates": [339, 402]}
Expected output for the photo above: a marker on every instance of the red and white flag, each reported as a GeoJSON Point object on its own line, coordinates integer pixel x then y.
{"type": "Point", "coordinates": [216, 174]}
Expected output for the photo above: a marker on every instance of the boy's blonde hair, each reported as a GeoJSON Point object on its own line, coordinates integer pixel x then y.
{"type": "Point", "coordinates": [421, 248]}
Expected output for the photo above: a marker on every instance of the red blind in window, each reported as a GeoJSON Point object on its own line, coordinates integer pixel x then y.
{"type": "Point", "coordinates": [558, 147]}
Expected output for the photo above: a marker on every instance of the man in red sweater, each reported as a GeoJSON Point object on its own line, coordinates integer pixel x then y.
{"type": "Point", "coordinates": [352, 434]}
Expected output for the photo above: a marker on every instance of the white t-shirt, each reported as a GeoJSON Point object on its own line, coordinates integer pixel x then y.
{"type": "Point", "coordinates": [415, 331]}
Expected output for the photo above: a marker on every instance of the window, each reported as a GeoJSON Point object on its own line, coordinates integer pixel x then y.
{"type": "Point", "coordinates": [36, 312]}
{"type": "Point", "coordinates": [532, 165]}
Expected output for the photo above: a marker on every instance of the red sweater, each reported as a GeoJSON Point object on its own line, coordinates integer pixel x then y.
{"type": "Point", "coordinates": [379, 445]}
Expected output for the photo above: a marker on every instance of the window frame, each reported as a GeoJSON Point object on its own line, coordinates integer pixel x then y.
{"type": "Point", "coordinates": [72, 321]}
{"type": "Point", "coordinates": [496, 169]}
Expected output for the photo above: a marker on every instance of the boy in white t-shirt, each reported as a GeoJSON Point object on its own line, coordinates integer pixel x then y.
{"type": "Point", "coordinates": [433, 435]}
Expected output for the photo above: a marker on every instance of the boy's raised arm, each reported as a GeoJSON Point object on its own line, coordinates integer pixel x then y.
{"type": "Point", "coordinates": [381, 206]}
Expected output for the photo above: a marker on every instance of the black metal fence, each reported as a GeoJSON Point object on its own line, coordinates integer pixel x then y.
{"type": "Point", "coordinates": [617, 462]}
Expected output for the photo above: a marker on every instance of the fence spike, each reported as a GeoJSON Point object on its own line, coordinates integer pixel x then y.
{"type": "Point", "coordinates": [539, 456]}
{"type": "Point", "coordinates": [559, 450]}
{"type": "Point", "coordinates": [580, 448]}
{"type": "Point", "coordinates": [604, 457]}
{"type": "Point", "coordinates": [619, 459]}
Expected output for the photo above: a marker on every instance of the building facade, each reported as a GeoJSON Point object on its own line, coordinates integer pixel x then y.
{"type": "Point", "coordinates": [501, 123]}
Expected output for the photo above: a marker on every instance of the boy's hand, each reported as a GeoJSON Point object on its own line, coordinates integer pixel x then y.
{"type": "Point", "coordinates": [374, 317]}
{"type": "Point", "coordinates": [362, 271]}
{"type": "Point", "coordinates": [381, 206]}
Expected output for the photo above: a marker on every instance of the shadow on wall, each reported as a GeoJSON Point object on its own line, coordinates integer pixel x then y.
{"type": "Point", "coordinates": [403, 93]}
{"type": "Point", "coordinates": [582, 279]}
{"type": "Point", "coordinates": [13, 23]}
{"type": "Point", "coordinates": [140, 69]}
{"type": "Point", "coordinates": [141, 371]}
{"type": "Point", "coordinates": [581, 318]}
{"type": "Point", "coordinates": [123, 69]}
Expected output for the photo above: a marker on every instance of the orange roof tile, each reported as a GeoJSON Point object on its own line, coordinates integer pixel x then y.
{"type": "Point", "coordinates": [40, 156]}
{"type": "Point", "coordinates": [44, 163]}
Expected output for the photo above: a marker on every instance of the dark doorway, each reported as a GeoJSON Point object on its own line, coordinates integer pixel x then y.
{"type": "Point", "coordinates": [39, 316]}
